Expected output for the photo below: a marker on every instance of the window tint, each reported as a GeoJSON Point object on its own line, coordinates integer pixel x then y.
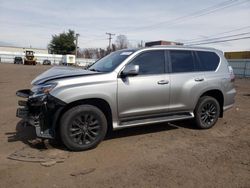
{"type": "Point", "coordinates": [182, 61]}
{"type": "Point", "coordinates": [151, 62]}
{"type": "Point", "coordinates": [209, 60]}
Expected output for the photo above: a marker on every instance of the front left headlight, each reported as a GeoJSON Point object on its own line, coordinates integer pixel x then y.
{"type": "Point", "coordinates": [43, 88]}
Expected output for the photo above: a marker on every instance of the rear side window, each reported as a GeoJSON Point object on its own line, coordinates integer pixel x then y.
{"type": "Point", "coordinates": [151, 62]}
{"type": "Point", "coordinates": [209, 61]}
{"type": "Point", "coordinates": [182, 61]}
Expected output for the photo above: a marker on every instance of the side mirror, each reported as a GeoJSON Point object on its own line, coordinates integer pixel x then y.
{"type": "Point", "coordinates": [130, 70]}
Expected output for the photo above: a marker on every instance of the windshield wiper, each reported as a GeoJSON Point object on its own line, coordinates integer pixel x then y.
{"type": "Point", "coordinates": [94, 70]}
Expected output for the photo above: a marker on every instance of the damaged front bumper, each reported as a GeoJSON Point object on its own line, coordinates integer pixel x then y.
{"type": "Point", "coordinates": [41, 111]}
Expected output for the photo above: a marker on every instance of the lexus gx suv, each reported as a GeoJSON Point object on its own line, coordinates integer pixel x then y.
{"type": "Point", "coordinates": [129, 88]}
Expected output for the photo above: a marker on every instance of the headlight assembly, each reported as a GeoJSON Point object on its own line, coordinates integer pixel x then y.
{"type": "Point", "coordinates": [43, 88]}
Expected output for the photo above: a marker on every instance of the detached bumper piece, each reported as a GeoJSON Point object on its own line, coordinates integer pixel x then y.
{"type": "Point", "coordinates": [40, 111]}
{"type": "Point", "coordinates": [25, 93]}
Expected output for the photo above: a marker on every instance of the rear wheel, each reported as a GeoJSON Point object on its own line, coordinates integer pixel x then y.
{"type": "Point", "coordinates": [83, 127]}
{"type": "Point", "coordinates": [206, 112]}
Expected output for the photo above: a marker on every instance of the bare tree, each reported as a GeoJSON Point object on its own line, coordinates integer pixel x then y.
{"type": "Point", "coordinates": [114, 48]}
{"type": "Point", "coordinates": [88, 53]}
{"type": "Point", "coordinates": [122, 42]}
{"type": "Point", "coordinates": [95, 53]}
{"type": "Point", "coordinates": [102, 53]}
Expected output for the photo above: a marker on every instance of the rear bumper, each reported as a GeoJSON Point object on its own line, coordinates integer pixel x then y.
{"type": "Point", "coordinates": [40, 111]}
{"type": "Point", "coordinates": [229, 99]}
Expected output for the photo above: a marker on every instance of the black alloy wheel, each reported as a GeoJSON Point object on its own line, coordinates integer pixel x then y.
{"type": "Point", "coordinates": [83, 127]}
{"type": "Point", "coordinates": [207, 112]}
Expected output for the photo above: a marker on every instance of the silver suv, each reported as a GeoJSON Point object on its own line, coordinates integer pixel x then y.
{"type": "Point", "coordinates": [129, 88]}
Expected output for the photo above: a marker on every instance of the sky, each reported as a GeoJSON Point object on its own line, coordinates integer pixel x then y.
{"type": "Point", "coordinates": [33, 22]}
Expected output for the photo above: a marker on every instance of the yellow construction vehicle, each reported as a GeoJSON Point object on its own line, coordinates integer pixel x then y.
{"type": "Point", "coordinates": [29, 58]}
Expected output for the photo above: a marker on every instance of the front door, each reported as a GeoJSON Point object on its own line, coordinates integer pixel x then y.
{"type": "Point", "coordinates": [148, 92]}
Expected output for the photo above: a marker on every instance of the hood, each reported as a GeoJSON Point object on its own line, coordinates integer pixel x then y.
{"type": "Point", "coordinates": [60, 72]}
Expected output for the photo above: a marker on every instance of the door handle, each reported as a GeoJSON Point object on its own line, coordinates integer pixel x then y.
{"type": "Point", "coordinates": [162, 82]}
{"type": "Point", "coordinates": [199, 79]}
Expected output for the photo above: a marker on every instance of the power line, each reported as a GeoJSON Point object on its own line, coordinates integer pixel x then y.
{"type": "Point", "coordinates": [221, 33]}
{"type": "Point", "coordinates": [110, 38]}
{"type": "Point", "coordinates": [218, 38]}
{"type": "Point", "coordinates": [219, 41]}
{"type": "Point", "coordinates": [196, 14]}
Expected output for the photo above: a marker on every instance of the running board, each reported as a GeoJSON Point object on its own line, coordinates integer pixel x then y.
{"type": "Point", "coordinates": [167, 118]}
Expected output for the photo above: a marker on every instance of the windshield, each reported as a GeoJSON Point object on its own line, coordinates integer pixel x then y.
{"type": "Point", "coordinates": [111, 61]}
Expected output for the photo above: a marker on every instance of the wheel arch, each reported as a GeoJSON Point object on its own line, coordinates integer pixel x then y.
{"type": "Point", "coordinates": [102, 104]}
{"type": "Point", "coordinates": [218, 95]}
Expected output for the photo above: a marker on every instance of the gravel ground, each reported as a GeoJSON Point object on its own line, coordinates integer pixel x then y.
{"type": "Point", "coordinates": [162, 155]}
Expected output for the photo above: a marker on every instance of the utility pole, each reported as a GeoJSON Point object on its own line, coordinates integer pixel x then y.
{"type": "Point", "coordinates": [110, 37]}
{"type": "Point", "coordinates": [141, 43]}
{"type": "Point", "coordinates": [77, 35]}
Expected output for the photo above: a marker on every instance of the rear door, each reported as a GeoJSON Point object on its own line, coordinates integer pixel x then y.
{"type": "Point", "coordinates": [186, 80]}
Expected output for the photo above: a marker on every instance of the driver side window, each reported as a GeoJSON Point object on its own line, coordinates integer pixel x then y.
{"type": "Point", "coordinates": [150, 62]}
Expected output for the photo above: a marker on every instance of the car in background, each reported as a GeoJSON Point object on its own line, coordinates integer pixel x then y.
{"type": "Point", "coordinates": [46, 62]}
{"type": "Point", "coordinates": [18, 60]}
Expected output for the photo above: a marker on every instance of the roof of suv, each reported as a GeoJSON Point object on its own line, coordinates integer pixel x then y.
{"type": "Point", "coordinates": [174, 47]}
{"type": "Point", "coordinates": [183, 48]}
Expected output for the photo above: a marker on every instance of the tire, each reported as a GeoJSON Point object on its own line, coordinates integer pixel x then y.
{"type": "Point", "coordinates": [83, 127]}
{"type": "Point", "coordinates": [207, 112]}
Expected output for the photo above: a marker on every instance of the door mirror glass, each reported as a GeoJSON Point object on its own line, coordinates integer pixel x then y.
{"type": "Point", "coordinates": [130, 70]}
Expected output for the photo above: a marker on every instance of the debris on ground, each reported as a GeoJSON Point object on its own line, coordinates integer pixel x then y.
{"type": "Point", "coordinates": [83, 172]}
{"type": "Point", "coordinates": [46, 157]}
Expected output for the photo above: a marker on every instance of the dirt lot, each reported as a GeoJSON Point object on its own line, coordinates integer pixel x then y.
{"type": "Point", "coordinates": [163, 155]}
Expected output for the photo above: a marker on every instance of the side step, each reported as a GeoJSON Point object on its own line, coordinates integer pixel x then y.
{"type": "Point", "coordinates": [152, 120]}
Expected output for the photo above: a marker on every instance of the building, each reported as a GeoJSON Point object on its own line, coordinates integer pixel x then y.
{"type": "Point", "coordinates": [8, 53]}
{"type": "Point", "coordinates": [162, 42]}
{"type": "Point", "coordinates": [238, 55]}
{"type": "Point", "coordinates": [240, 62]}
{"type": "Point", "coordinates": [22, 49]}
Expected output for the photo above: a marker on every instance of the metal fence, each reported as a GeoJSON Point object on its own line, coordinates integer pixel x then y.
{"type": "Point", "coordinates": [241, 67]}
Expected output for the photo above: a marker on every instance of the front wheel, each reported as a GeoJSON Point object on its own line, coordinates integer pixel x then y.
{"type": "Point", "coordinates": [206, 112]}
{"type": "Point", "coordinates": [83, 127]}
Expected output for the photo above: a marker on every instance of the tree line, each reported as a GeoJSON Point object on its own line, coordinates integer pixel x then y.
{"type": "Point", "coordinates": [64, 43]}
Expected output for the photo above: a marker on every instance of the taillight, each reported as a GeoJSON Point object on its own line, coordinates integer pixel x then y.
{"type": "Point", "coordinates": [231, 71]}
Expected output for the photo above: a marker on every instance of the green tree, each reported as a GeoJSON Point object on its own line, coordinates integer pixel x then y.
{"type": "Point", "coordinates": [63, 43]}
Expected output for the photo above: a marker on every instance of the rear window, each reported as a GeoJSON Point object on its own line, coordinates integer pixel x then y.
{"type": "Point", "coordinates": [209, 61]}
{"type": "Point", "coordinates": [182, 61]}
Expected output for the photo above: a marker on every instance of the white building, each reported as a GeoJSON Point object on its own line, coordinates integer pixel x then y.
{"type": "Point", "coordinates": [8, 53]}
{"type": "Point", "coordinates": [22, 49]}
